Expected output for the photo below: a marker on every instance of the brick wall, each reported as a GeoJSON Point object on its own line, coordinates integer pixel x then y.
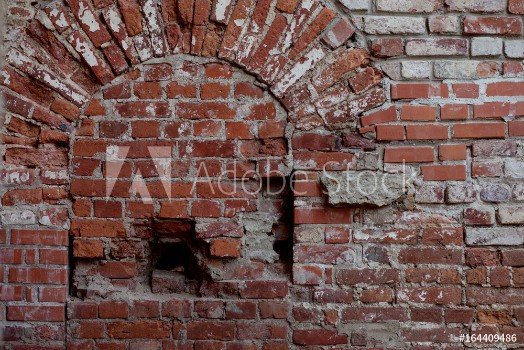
{"type": "Point", "coordinates": [169, 174]}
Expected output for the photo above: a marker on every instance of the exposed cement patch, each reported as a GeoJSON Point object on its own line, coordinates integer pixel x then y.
{"type": "Point", "coordinates": [364, 187]}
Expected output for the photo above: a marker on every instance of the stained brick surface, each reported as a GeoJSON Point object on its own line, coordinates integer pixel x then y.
{"type": "Point", "coordinates": [144, 144]}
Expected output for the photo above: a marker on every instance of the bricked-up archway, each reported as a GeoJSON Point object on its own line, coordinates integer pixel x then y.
{"type": "Point", "coordinates": [298, 51]}
{"type": "Point", "coordinates": [200, 147]}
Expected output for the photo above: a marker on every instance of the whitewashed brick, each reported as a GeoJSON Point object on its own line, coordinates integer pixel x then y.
{"type": "Point", "coordinates": [514, 48]}
{"type": "Point", "coordinates": [511, 214]}
{"type": "Point", "coordinates": [356, 5]}
{"type": "Point", "coordinates": [495, 236]}
{"type": "Point", "coordinates": [394, 25]}
{"type": "Point", "coordinates": [444, 24]}
{"type": "Point", "coordinates": [416, 69]}
{"type": "Point", "coordinates": [464, 69]}
{"type": "Point", "coordinates": [486, 46]}
{"type": "Point", "coordinates": [408, 6]}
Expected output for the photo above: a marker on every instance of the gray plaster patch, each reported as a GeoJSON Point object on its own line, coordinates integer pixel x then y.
{"type": "Point", "coordinates": [364, 187]}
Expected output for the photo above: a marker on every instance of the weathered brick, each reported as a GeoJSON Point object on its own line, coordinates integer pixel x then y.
{"type": "Point", "coordinates": [494, 236]}
{"type": "Point", "coordinates": [394, 25]}
{"type": "Point", "coordinates": [493, 25]}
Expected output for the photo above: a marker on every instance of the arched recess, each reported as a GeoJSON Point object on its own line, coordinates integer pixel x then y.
{"type": "Point", "coordinates": [302, 51]}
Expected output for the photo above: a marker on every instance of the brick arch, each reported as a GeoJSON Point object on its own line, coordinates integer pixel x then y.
{"type": "Point", "coordinates": [298, 49]}
{"type": "Point", "coordinates": [302, 51]}
{"type": "Point", "coordinates": [71, 50]}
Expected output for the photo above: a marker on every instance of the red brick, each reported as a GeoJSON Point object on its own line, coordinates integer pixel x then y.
{"type": "Point", "coordinates": [487, 168]}
{"type": "Point", "coordinates": [316, 160]}
{"type": "Point", "coordinates": [413, 91]}
{"type": "Point", "coordinates": [113, 309]}
{"type": "Point", "coordinates": [418, 113]}
{"type": "Point", "coordinates": [505, 89]}
{"type": "Point", "coordinates": [314, 141]}
{"type": "Point", "coordinates": [204, 110]}
{"type": "Point", "coordinates": [214, 91]}
{"type": "Point", "coordinates": [138, 329]}
{"type": "Point", "coordinates": [145, 129]}
{"type": "Point", "coordinates": [491, 110]}
{"type": "Point", "coordinates": [516, 128]}
{"type": "Point", "coordinates": [107, 209]}
{"type": "Point", "coordinates": [243, 89]}
{"type": "Point", "coordinates": [339, 33]}
{"type": "Point", "coordinates": [366, 276]}
{"type": "Point", "coordinates": [11, 293]}
{"type": "Point", "coordinates": [38, 275]}
{"type": "Point", "coordinates": [118, 269]}
{"type": "Point", "coordinates": [438, 335]}
{"type": "Point", "coordinates": [516, 7]}
{"type": "Point", "coordinates": [374, 314]}
{"type": "Point", "coordinates": [452, 152]}
{"type": "Point", "coordinates": [81, 9]}
{"type": "Point", "coordinates": [387, 115]}
{"type": "Point", "coordinates": [454, 112]}
{"type": "Point", "coordinates": [116, 58]}
{"type": "Point", "coordinates": [209, 309]}
{"type": "Point", "coordinates": [225, 248]}
{"type": "Point", "coordinates": [218, 71]}
{"type": "Point", "coordinates": [52, 294]}
{"type": "Point", "coordinates": [236, 310]}
{"type": "Point", "coordinates": [466, 90]}
{"type": "Point", "coordinates": [513, 258]}
{"type": "Point", "coordinates": [35, 313]}
{"type": "Point", "coordinates": [97, 228]}
{"type": "Point", "coordinates": [307, 275]}
{"type": "Point", "coordinates": [264, 290]}
{"type": "Point", "coordinates": [479, 130]}
{"type": "Point", "coordinates": [409, 154]}
{"type": "Point", "coordinates": [273, 309]}
{"type": "Point", "coordinates": [53, 257]}
{"type": "Point", "coordinates": [346, 61]}
{"type": "Point", "coordinates": [178, 90]}
{"type": "Point", "coordinates": [88, 248]}
{"type": "Point", "coordinates": [500, 277]}
{"type": "Point", "coordinates": [174, 209]}
{"type": "Point", "coordinates": [210, 330]}
{"type": "Point", "coordinates": [318, 337]}
{"type": "Point", "coordinates": [319, 23]}
{"type": "Point", "coordinates": [39, 237]}
{"type": "Point", "coordinates": [458, 315]}
{"type": "Point", "coordinates": [430, 256]}
{"type": "Point", "coordinates": [148, 90]}
{"type": "Point", "coordinates": [431, 295]}
{"type": "Point", "coordinates": [444, 172]}
{"type": "Point", "coordinates": [427, 132]}
{"type": "Point", "coordinates": [390, 132]}
{"type": "Point", "coordinates": [260, 57]}
{"type": "Point", "coordinates": [145, 309]}
{"type": "Point", "coordinates": [22, 196]}
{"type": "Point", "coordinates": [376, 295]}
{"type": "Point", "coordinates": [143, 109]}
{"type": "Point", "coordinates": [387, 47]}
